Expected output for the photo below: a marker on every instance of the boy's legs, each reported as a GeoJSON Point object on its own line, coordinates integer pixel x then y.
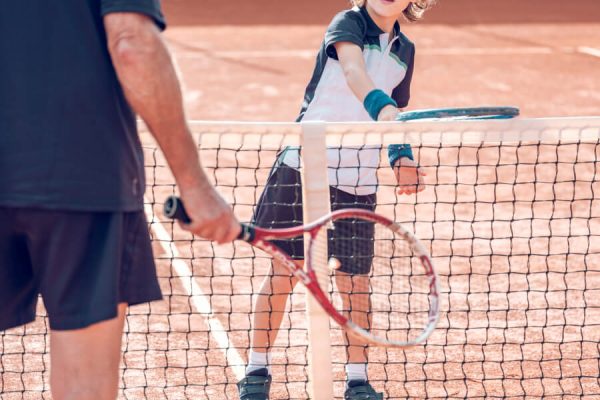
{"type": "Point", "coordinates": [351, 243]}
{"type": "Point", "coordinates": [279, 206]}
{"type": "Point", "coordinates": [268, 313]}
{"type": "Point", "coordinates": [356, 300]}
{"type": "Point", "coordinates": [354, 292]}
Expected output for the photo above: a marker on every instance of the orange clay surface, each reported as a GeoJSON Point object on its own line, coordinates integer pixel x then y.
{"type": "Point", "coordinates": [244, 60]}
{"type": "Point", "coordinates": [251, 60]}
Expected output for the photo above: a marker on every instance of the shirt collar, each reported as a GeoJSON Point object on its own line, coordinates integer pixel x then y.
{"type": "Point", "coordinates": [372, 28]}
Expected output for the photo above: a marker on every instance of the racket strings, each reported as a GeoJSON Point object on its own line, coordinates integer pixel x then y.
{"type": "Point", "coordinates": [375, 279]}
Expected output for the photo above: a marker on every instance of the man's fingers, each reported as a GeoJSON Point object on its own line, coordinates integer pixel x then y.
{"type": "Point", "coordinates": [222, 232]}
{"type": "Point", "coordinates": [214, 232]}
{"type": "Point", "coordinates": [212, 218]}
{"type": "Point", "coordinates": [226, 233]}
{"type": "Point", "coordinates": [234, 231]}
{"type": "Point", "coordinates": [183, 225]}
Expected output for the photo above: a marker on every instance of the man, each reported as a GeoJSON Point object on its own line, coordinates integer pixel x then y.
{"type": "Point", "coordinates": [71, 175]}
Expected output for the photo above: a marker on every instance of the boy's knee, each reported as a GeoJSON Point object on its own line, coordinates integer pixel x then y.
{"type": "Point", "coordinates": [282, 284]}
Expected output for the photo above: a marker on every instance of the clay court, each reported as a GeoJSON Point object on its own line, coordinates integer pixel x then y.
{"type": "Point", "coordinates": [520, 271]}
{"type": "Point", "coordinates": [251, 61]}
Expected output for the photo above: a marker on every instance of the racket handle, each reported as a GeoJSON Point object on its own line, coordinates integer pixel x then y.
{"type": "Point", "coordinates": [174, 209]}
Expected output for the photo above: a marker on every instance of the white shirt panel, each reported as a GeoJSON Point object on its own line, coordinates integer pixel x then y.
{"type": "Point", "coordinates": [353, 170]}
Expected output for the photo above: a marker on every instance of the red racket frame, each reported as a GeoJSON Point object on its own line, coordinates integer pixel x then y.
{"type": "Point", "coordinates": [261, 238]}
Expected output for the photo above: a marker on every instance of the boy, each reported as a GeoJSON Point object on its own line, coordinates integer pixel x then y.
{"type": "Point", "coordinates": [363, 72]}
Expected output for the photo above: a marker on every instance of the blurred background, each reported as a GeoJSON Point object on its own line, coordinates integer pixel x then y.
{"type": "Point", "coordinates": [251, 60]}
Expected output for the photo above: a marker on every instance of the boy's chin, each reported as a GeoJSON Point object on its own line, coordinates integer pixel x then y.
{"type": "Point", "coordinates": [387, 11]}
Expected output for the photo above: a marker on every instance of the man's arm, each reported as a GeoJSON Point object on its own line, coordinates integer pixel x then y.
{"type": "Point", "coordinates": [148, 78]}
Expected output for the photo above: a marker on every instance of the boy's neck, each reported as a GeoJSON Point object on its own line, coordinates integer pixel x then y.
{"type": "Point", "coordinates": [386, 24]}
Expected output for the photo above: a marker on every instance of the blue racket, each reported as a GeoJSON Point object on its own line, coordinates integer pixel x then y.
{"type": "Point", "coordinates": [460, 113]}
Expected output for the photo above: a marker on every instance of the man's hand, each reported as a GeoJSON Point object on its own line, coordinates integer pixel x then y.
{"type": "Point", "coordinates": [212, 218]}
{"type": "Point", "coordinates": [388, 113]}
{"type": "Point", "coordinates": [409, 176]}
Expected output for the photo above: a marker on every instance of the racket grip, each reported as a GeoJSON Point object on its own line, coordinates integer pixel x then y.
{"type": "Point", "coordinates": [174, 209]}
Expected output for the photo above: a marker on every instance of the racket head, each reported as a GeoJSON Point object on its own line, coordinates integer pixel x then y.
{"type": "Point", "coordinates": [386, 303]}
{"type": "Point", "coordinates": [466, 113]}
{"type": "Point", "coordinates": [383, 288]}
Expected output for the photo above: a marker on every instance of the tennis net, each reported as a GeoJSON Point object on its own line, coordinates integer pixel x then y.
{"type": "Point", "coordinates": [510, 214]}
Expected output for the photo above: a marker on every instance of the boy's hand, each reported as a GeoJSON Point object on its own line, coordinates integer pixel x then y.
{"type": "Point", "coordinates": [409, 176]}
{"type": "Point", "coordinates": [388, 113]}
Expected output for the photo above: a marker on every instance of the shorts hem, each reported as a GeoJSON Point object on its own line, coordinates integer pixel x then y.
{"type": "Point", "coordinates": [77, 321]}
{"type": "Point", "coordinates": [359, 273]}
{"type": "Point", "coordinates": [23, 319]}
{"type": "Point", "coordinates": [142, 298]}
{"type": "Point", "coordinates": [80, 321]}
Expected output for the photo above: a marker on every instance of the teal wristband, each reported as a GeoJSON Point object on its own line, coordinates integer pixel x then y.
{"type": "Point", "coordinates": [375, 101]}
{"type": "Point", "coordinates": [397, 151]}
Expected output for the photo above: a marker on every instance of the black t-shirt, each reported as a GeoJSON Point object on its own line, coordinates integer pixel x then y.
{"type": "Point", "coordinates": [68, 137]}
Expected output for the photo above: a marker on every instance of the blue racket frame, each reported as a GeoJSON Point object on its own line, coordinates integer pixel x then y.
{"type": "Point", "coordinates": [460, 113]}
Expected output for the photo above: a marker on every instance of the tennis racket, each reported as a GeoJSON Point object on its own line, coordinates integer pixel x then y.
{"type": "Point", "coordinates": [460, 113]}
{"type": "Point", "coordinates": [393, 301]}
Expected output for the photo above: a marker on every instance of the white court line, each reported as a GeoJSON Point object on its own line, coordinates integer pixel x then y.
{"type": "Point", "coordinates": [310, 54]}
{"type": "Point", "coordinates": [590, 51]}
{"type": "Point", "coordinates": [198, 298]}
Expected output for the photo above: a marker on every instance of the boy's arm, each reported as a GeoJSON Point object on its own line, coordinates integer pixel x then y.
{"type": "Point", "coordinates": [408, 175]}
{"type": "Point", "coordinates": [352, 62]}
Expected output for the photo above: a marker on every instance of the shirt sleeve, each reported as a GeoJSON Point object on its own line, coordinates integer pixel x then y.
{"type": "Point", "coordinates": [401, 94]}
{"type": "Point", "coordinates": [347, 26]}
{"type": "Point", "coordinates": [151, 8]}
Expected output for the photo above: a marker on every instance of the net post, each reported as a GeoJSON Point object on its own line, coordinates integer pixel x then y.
{"type": "Point", "coordinates": [315, 199]}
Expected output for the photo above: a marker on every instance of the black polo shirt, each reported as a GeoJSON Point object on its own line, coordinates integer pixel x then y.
{"type": "Point", "coordinates": [68, 137]}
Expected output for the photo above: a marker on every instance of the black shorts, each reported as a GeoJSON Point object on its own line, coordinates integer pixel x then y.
{"type": "Point", "coordinates": [280, 206]}
{"type": "Point", "coordinates": [82, 263]}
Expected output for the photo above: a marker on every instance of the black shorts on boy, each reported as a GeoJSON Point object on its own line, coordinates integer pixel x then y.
{"type": "Point", "coordinates": [280, 206]}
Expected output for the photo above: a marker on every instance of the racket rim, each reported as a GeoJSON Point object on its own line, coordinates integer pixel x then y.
{"type": "Point", "coordinates": [454, 112]}
{"type": "Point", "coordinates": [313, 227]}
{"type": "Point", "coordinates": [424, 257]}
{"type": "Point", "coordinates": [308, 277]}
{"type": "Point", "coordinates": [261, 238]}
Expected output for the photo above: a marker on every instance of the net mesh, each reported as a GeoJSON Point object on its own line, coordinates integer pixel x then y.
{"type": "Point", "coordinates": [510, 215]}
